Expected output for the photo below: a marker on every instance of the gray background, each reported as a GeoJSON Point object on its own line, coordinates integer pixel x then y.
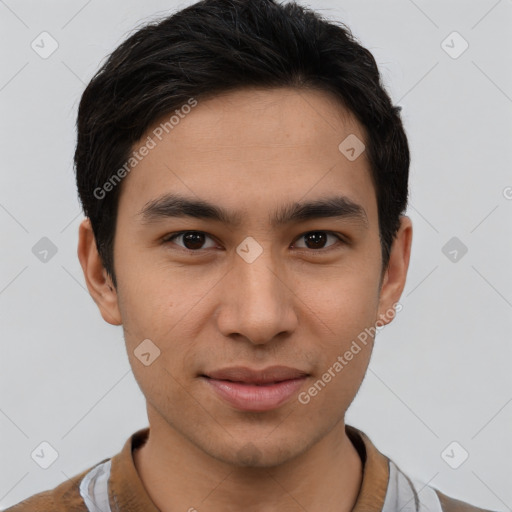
{"type": "Point", "coordinates": [440, 372]}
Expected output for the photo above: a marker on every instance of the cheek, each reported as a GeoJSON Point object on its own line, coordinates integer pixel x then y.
{"type": "Point", "coordinates": [163, 306]}
{"type": "Point", "coordinates": [151, 297]}
{"type": "Point", "coordinates": [155, 314]}
{"type": "Point", "coordinates": [345, 313]}
{"type": "Point", "coordinates": [345, 299]}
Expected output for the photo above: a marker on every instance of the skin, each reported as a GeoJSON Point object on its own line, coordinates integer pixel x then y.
{"type": "Point", "coordinates": [250, 151]}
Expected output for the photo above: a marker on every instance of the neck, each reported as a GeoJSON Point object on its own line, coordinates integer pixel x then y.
{"type": "Point", "coordinates": [179, 476]}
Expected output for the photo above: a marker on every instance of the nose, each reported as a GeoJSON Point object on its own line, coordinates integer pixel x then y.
{"type": "Point", "coordinates": [257, 301]}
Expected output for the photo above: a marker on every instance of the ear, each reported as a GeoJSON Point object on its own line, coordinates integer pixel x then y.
{"type": "Point", "coordinates": [98, 282]}
{"type": "Point", "coordinates": [395, 275]}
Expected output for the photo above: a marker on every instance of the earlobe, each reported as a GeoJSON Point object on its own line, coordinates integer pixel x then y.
{"type": "Point", "coordinates": [98, 282]}
{"type": "Point", "coordinates": [396, 273]}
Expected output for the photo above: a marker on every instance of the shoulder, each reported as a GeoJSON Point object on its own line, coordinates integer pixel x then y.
{"type": "Point", "coordinates": [65, 497]}
{"type": "Point", "coordinates": [406, 493]}
{"type": "Point", "coordinates": [387, 488]}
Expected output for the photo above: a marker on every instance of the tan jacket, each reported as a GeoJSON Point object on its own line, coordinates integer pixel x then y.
{"type": "Point", "coordinates": [384, 487]}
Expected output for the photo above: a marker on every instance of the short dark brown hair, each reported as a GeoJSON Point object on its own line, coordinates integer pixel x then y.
{"type": "Point", "coordinates": [215, 46]}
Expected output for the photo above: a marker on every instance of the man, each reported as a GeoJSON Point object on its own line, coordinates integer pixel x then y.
{"type": "Point", "coordinates": [244, 178]}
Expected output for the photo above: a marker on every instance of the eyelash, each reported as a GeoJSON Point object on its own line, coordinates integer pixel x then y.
{"type": "Point", "coordinates": [341, 240]}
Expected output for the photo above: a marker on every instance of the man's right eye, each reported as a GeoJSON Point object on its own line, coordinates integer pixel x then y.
{"type": "Point", "coordinates": [191, 240]}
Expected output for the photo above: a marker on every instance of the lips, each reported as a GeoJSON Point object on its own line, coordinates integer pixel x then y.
{"type": "Point", "coordinates": [255, 390]}
{"type": "Point", "coordinates": [246, 375]}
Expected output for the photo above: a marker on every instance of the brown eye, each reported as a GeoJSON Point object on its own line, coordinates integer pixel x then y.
{"type": "Point", "coordinates": [318, 239]}
{"type": "Point", "coordinates": [191, 240]}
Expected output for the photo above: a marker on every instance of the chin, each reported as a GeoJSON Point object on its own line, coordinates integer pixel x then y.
{"type": "Point", "coordinates": [254, 454]}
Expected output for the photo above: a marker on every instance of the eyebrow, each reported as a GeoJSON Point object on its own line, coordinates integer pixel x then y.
{"type": "Point", "coordinates": [174, 205]}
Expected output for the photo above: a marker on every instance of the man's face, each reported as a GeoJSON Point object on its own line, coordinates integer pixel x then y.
{"type": "Point", "coordinates": [257, 293]}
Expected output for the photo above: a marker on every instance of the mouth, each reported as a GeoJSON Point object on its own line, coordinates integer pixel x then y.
{"type": "Point", "coordinates": [255, 390]}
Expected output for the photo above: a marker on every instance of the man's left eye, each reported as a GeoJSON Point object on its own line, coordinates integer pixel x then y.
{"type": "Point", "coordinates": [318, 239]}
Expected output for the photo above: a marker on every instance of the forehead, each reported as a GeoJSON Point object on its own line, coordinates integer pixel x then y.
{"type": "Point", "coordinates": [249, 150]}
